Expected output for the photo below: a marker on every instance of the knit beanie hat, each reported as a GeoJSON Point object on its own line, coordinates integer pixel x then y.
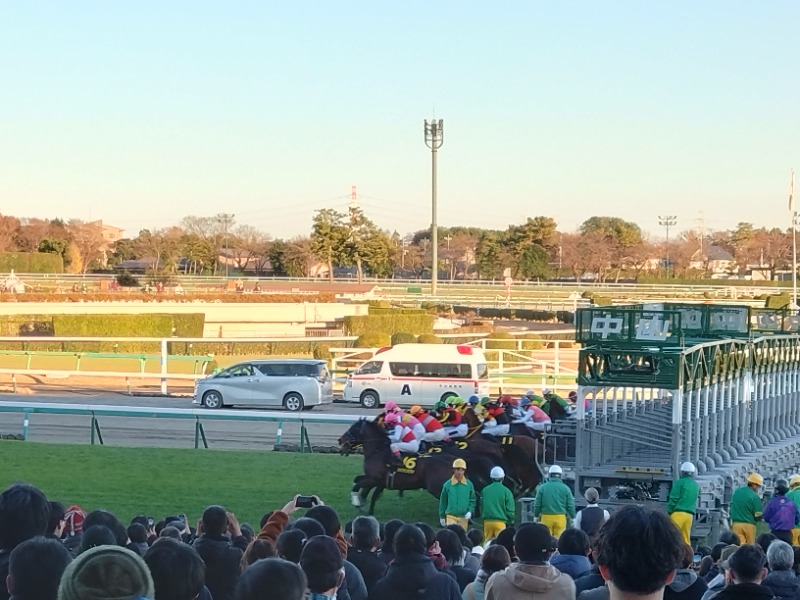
{"type": "Point", "coordinates": [106, 573]}
{"type": "Point", "coordinates": [74, 519]}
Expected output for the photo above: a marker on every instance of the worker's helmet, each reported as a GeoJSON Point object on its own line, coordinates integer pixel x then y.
{"type": "Point", "coordinates": [794, 480]}
{"type": "Point", "coordinates": [497, 473]}
{"type": "Point", "coordinates": [391, 406]}
{"type": "Point", "coordinates": [781, 486]}
{"type": "Point", "coordinates": [415, 410]}
{"type": "Point", "coordinates": [459, 464]}
{"type": "Point", "coordinates": [688, 468]}
{"type": "Point", "coordinates": [391, 418]}
{"type": "Point", "coordinates": [474, 399]}
{"type": "Point", "coordinates": [756, 479]}
{"type": "Point", "coordinates": [555, 471]}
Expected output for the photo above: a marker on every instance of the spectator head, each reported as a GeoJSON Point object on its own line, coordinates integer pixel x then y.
{"type": "Point", "coordinates": [725, 555]}
{"type": "Point", "coordinates": [639, 550]}
{"type": "Point", "coordinates": [780, 556]}
{"type": "Point", "coordinates": [103, 517]}
{"type": "Point", "coordinates": [496, 558]}
{"type": "Point", "coordinates": [35, 569]}
{"type": "Point", "coordinates": [729, 538]}
{"type": "Point", "coordinates": [247, 532]}
{"type": "Point", "coordinates": [390, 528]}
{"type": "Point", "coordinates": [451, 547]}
{"type": "Point", "coordinates": [323, 564]}
{"type": "Point", "coordinates": [256, 550]}
{"type": "Point", "coordinates": [327, 517]}
{"type": "Point", "coordinates": [178, 571]}
{"type": "Point", "coordinates": [137, 533]}
{"type": "Point", "coordinates": [24, 514]}
{"type": "Point", "coordinates": [265, 518]}
{"type": "Point", "coordinates": [574, 541]}
{"type": "Point", "coordinates": [716, 550]}
{"type": "Point", "coordinates": [290, 544]}
{"type": "Point", "coordinates": [409, 541]}
{"type": "Point", "coordinates": [215, 521]}
{"type": "Point", "coordinates": [506, 539]}
{"type": "Point", "coordinates": [592, 495]}
{"type": "Point", "coordinates": [310, 527]}
{"type": "Point", "coordinates": [170, 532]}
{"type": "Point", "coordinates": [73, 520]}
{"type": "Point", "coordinates": [96, 535]}
{"type": "Point", "coordinates": [461, 533]}
{"type": "Point", "coordinates": [427, 531]}
{"type": "Point", "coordinates": [703, 551]}
{"type": "Point", "coordinates": [746, 565]}
{"type": "Point", "coordinates": [764, 540]}
{"type": "Point", "coordinates": [366, 533]}
{"type": "Point", "coordinates": [533, 543]}
{"type": "Point", "coordinates": [687, 558]}
{"type": "Point", "coordinates": [475, 537]}
{"type": "Point", "coordinates": [56, 523]}
{"type": "Point", "coordinates": [106, 572]}
{"type": "Point", "coordinates": [272, 578]}
{"type": "Point", "coordinates": [141, 519]}
{"type": "Point", "coordinates": [705, 566]}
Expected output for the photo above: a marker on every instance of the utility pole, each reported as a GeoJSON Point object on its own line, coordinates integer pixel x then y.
{"type": "Point", "coordinates": [226, 220]}
{"type": "Point", "coordinates": [434, 138]}
{"type": "Point", "coordinates": [794, 216]}
{"type": "Point", "coordinates": [667, 221]}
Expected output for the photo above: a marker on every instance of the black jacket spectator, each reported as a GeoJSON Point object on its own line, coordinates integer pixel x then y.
{"type": "Point", "coordinates": [413, 578]}
{"type": "Point", "coordinates": [744, 591]}
{"type": "Point", "coordinates": [590, 581]}
{"type": "Point", "coordinates": [370, 565]}
{"type": "Point", "coordinates": [685, 586]}
{"type": "Point", "coordinates": [222, 557]}
{"type": "Point", "coordinates": [783, 584]}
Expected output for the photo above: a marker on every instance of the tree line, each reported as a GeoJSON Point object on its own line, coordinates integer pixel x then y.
{"type": "Point", "coordinates": [350, 244]}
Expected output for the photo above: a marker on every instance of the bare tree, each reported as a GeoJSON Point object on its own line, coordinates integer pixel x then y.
{"type": "Point", "coordinates": [89, 241]}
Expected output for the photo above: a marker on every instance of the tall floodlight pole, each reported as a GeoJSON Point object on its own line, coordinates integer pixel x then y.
{"type": "Point", "coordinates": [794, 215]}
{"type": "Point", "coordinates": [434, 138]}
{"type": "Point", "coordinates": [667, 221]}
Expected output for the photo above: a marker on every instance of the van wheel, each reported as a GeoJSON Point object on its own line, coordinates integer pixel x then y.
{"type": "Point", "coordinates": [370, 399]}
{"type": "Point", "coordinates": [446, 396]}
{"type": "Point", "coordinates": [293, 402]}
{"type": "Point", "coordinates": [212, 399]}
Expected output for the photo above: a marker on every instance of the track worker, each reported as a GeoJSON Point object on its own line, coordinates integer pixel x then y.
{"type": "Point", "coordinates": [554, 504]}
{"type": "Point", "coordinates": [434, 432]}
{"type": "Point", "coordinates": [746, 509]}
{"type": "Point", "coordinates": [457, 501]}
{"type": "Point", "coordinates": [683, 501]}
{"type": "Point", "coordinates": [794, 496]}
{"type": "Point", "coordinates": [497, 505]}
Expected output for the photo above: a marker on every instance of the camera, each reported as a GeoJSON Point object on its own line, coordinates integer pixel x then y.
{"type": "Point", "coordinates": [305, 502]}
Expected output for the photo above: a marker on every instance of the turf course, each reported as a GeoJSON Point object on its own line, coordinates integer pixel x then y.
{"type": "Point", "coordinates": [161, 482]}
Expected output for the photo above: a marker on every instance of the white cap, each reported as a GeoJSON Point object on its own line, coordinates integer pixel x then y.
{"type": "Point", "coordinates": [497, 473]}
{"type": "Point", "coordinates": [554, 470]}
{"type": "Point", "coordinates": [687, 467]}
{"type": "Point", "coordinates": [545, 391]}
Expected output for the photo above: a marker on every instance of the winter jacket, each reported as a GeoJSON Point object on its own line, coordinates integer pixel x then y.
{"type": "Point", "coordinates": [745, 506]}
{"type": "Point", "coordinates": [781, 514]}
{"type": "Point", "coordinates": [522, 581]}
{"type": "Point", "coordinates": [686, 586]}
{"type": "Point", "coordinates": [574, 565]}
{"type": "Point", "coordinates": [497, 503]}
{"type": "Point", "coordinates": [464, 576]}
{"type": "Point", "coordinates": [683, 495]}
{"type": "Point", "coordinates": [554, 498]}
{"type": "Point", "coordinates": [600, 593]}
{"type": "Point", "coordinates": [715, 586]}
{"type": "Point", "coordinates": [457, 499]}
{"type": "Point", "coordinates": [744, 591]}
{"type": "Point", "coordinates": [222, 558]}
{"type": "Point", "coordinates": [784, 585]}
{"type": "Point", "coordinates": [590, 581]}
{"type": "Point", "coordinates": [370, 565]}
{"type": "Point", "coordinates": [415, 578]}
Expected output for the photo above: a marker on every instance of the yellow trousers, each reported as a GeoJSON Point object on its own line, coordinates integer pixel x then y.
{"type": "Point", "coordinates": [796, 536]}
{"type": "Point", "coordinates": [683, 521]}
{"type": "Point", "coordinates": [745, 531]}
{"type": "Point", "coordinates": [555, 523]}
{"type": "Point", "coordinates": [452, 519]}
{"type": "Point", "coordinates": [491, 529]}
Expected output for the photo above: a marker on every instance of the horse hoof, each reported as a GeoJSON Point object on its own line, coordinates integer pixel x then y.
{"type": "Point", "coordinates": [355, 499]}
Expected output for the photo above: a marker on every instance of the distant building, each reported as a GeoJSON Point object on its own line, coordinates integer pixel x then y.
{"type": "Point", "coordinates": [714, 260]}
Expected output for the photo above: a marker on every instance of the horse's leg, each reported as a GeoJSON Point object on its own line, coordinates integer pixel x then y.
{"type": "Point", "coordinates": [375, 495]}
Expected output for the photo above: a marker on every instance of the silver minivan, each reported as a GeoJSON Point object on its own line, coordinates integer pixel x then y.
{"type": "Point", "coordinates": [294, 384]}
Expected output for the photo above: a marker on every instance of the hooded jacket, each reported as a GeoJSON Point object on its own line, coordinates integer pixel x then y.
{"type": "Point", "coordinates": [574, 565]}
{"type": "Point", "coordinates": [222, 557]}
{"type": "Point", "coordinates": [784, 584]}
{"type": "Point", "coordinates": [523, 581]}
{"type": "Point", "coordinates": [415, 578]}
{"type": "Point", "coordinates": [686, 586]}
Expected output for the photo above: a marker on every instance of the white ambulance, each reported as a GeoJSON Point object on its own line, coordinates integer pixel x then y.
{"type": "Point", "coordinates": [418, 374]}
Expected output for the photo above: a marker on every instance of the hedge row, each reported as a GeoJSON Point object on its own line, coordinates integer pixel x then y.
{"type": "Point", "coordinates": [389, 324]}
{"type": "Point", "coordinates": [522, 314]}
{"type": "Point", "coordinates": [125, 296]}
{"type": "Point", "coordinates": [217, 348]}
{"type": "Point", "coordinates": [144, 325]}
{"type": "Point", "coordinates": [31, 262]}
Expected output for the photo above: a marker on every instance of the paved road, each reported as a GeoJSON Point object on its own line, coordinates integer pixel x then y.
{"type": "Point", "coordinates": [172, 433]}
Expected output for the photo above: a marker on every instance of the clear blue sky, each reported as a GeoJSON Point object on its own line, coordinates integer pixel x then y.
{"type": "Point", "coordinates": [142, 112]}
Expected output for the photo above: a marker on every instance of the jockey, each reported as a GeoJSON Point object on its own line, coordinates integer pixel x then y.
{"type": "Point", "coordinates": [476, 406]}
{"type": "Point", "coordinates": [401, 436]}
{"type": "Point", "coordinates": [452, 418]}
{"type": "Point", "coordinates": [434, 432]}
{"type": "Point", "coordinates": [549, 397]}
{"type": "Point", "coordinates": [534, 418]}
{"type": "Point", "coordinates": [391, 407]}
{"type": "Point", "coordinates": [411, 421]}
{"type": "Point", "coordinates": [573, 400]}
{"type": "Point", "coordinates": [497, 421]}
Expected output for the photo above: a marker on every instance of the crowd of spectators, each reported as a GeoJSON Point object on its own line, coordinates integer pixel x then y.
{"type": "Point", "coordinates": [49, 551]}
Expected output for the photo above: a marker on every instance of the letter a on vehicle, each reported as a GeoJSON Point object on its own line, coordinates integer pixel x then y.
{"type": "Point", "coordinates": [406, 391]}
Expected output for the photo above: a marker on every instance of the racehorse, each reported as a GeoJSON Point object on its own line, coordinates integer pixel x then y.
{"type": "Point", "coordinates": [426, 472]}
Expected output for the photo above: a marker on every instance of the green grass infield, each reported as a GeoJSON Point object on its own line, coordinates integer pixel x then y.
{"type": "Point", "coordinates": [161, 482]}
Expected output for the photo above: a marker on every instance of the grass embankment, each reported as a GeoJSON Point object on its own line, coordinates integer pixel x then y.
{"type": "Point", "coordinates": [161, 482]}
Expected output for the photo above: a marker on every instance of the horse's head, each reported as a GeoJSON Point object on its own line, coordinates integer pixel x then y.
{"type": "Point", "coordinates": [352, 438]}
